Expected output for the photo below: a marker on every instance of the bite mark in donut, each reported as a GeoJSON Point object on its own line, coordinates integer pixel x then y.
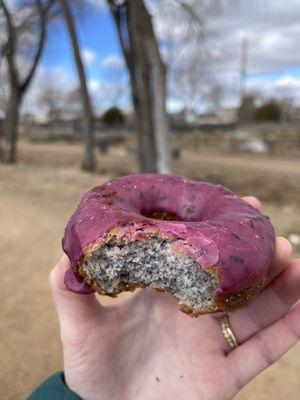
{"type": "Point", "coordinates": [197, 241]}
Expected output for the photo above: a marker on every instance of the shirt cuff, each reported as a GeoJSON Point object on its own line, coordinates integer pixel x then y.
{"type": "Point", "coordinates": [52, 388]}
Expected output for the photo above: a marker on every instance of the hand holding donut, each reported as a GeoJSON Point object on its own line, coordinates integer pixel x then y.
{"type": "Point", "coordinates": [146, 349]}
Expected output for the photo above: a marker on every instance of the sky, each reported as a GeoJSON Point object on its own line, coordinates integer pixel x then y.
{"type": "Point", "coordinates": [100, 52]}
{"type": "Point", "coordinates": [270, 27]}
{"type": "Point", "coordinates": [98, 41]}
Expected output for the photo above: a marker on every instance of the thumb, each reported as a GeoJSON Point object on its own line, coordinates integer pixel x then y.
{"type": "Point", "coordinates": [72, 309]}
{"type": "Point", "coordinates": [253, 201]}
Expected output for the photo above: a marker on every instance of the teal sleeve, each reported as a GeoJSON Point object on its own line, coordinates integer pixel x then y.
{"type": "Point", "coordinates": [54, 388]}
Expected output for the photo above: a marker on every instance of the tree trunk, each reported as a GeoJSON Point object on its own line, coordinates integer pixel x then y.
{"type": "Point", "coordinates": [11, 125]}
{"type": "Point", "coordinates": [151, 88]}
{"type": "Point", "coordinates": [19, 87]}
{"type": "Point", "coordinates": [89, 162]}
{"type": "Point", "coordinates": [142, 101]}
{"type": "Point", "coordinates": [148, 83]}
{"type": "Point", "coordinates": [160, 119]}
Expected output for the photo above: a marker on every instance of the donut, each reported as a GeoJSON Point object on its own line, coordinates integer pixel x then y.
{"type": "Point", "coordinates": [198, 241]}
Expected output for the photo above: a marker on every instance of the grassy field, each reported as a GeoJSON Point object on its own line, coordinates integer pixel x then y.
{"type": "Point", "coordinates": [36, 198]}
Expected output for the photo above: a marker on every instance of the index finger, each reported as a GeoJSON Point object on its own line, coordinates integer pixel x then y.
{"type": "Point", "coordinates": [283, 248]}
{"type": "Point", "coordinates": [281, 259]}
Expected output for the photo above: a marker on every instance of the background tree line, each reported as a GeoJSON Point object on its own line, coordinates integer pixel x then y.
{"type": "Point", "coordinates": [23, 38]}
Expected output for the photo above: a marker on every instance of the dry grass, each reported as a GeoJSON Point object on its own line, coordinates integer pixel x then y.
{"type": "Point", "coordinates": [36, 198]}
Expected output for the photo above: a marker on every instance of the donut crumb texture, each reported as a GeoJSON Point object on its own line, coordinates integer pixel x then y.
{"type": "Point", "coordinates": [117, 266]}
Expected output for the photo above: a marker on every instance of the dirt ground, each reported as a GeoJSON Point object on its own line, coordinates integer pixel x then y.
{"type": "Point", "coordinates": [36, 198]}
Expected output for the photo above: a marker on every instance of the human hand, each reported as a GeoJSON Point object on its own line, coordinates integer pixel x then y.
{"type": "Point", "coordinates": [146, 349]}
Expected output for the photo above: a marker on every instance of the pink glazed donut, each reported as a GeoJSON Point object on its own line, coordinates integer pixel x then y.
{"type": "Point", "coordinates": [195, 240]}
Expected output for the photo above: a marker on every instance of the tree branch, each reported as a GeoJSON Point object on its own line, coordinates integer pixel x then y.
{"type": "Point", "coordinates": [42, 22]}
{"type": "Point", "coordinates": [8, 49]}
{"type": "Point", "coordinates": [117, 11]}
{"type": "Point", "coordinates": [190, 11]}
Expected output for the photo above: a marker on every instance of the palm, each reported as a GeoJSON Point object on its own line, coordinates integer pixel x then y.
{"type": "Point", "coordinates": [177, 357]}
{"type": "Point", "coordinates": [148, 341]}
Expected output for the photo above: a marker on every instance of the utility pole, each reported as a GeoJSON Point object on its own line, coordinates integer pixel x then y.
{"type": "Point", "coordinates": [243, 68]}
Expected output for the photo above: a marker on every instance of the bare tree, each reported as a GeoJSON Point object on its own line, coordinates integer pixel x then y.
{"type": "Point", "coordinates": [22, 33]}
{"type": "Point", "coordinates": [148, 82]}
{"type": "Point", "coordinates": [57, 103]}
{"type": "Point", "coordinates": [115, 88]}
{"type": "Point", "coordinates": [89, 162]}
{"type": "Point", "coordinates": [51, 100]}
{"type": "Point", "coordinates": [188, 41]}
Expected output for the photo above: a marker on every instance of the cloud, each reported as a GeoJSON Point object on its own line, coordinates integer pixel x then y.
{"type": "Point", "coordinates": [113, 61]}
{"type": "Point", "coordinates": [94, 85]}
{"type": "Point", "coordinates": [89, 56]}
{"type": "Point", "coordinates": [174, 105]}
{"type": "Point", "coordinates": [104, 94]}
{"type": "Point", "coordinates": [11, 3]}
{"type": "Point", "coordinates": [107, 94]}
{"type": "Point", "coordinates": [58, 77]}
{"type": "Point", "coordinates": [270, 27]}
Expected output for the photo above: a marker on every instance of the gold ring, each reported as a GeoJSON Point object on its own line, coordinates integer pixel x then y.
{"type": "Point", "coordinates": [228, 332]}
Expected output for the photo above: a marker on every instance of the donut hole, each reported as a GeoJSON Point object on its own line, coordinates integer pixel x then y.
{"type": "Point", "coordinates": [118, 266]}
{"type": "Point", "coordinates": [161, 215]}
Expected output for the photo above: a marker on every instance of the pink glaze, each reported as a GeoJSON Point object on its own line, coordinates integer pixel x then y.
{"type": "Point", "coordinates": [219, 227]}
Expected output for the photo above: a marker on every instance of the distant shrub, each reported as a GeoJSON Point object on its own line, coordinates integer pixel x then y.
{"type": "Point", "coordinates": [269, 111]}
{"type": "Point", "coordinates": [113, 116]}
